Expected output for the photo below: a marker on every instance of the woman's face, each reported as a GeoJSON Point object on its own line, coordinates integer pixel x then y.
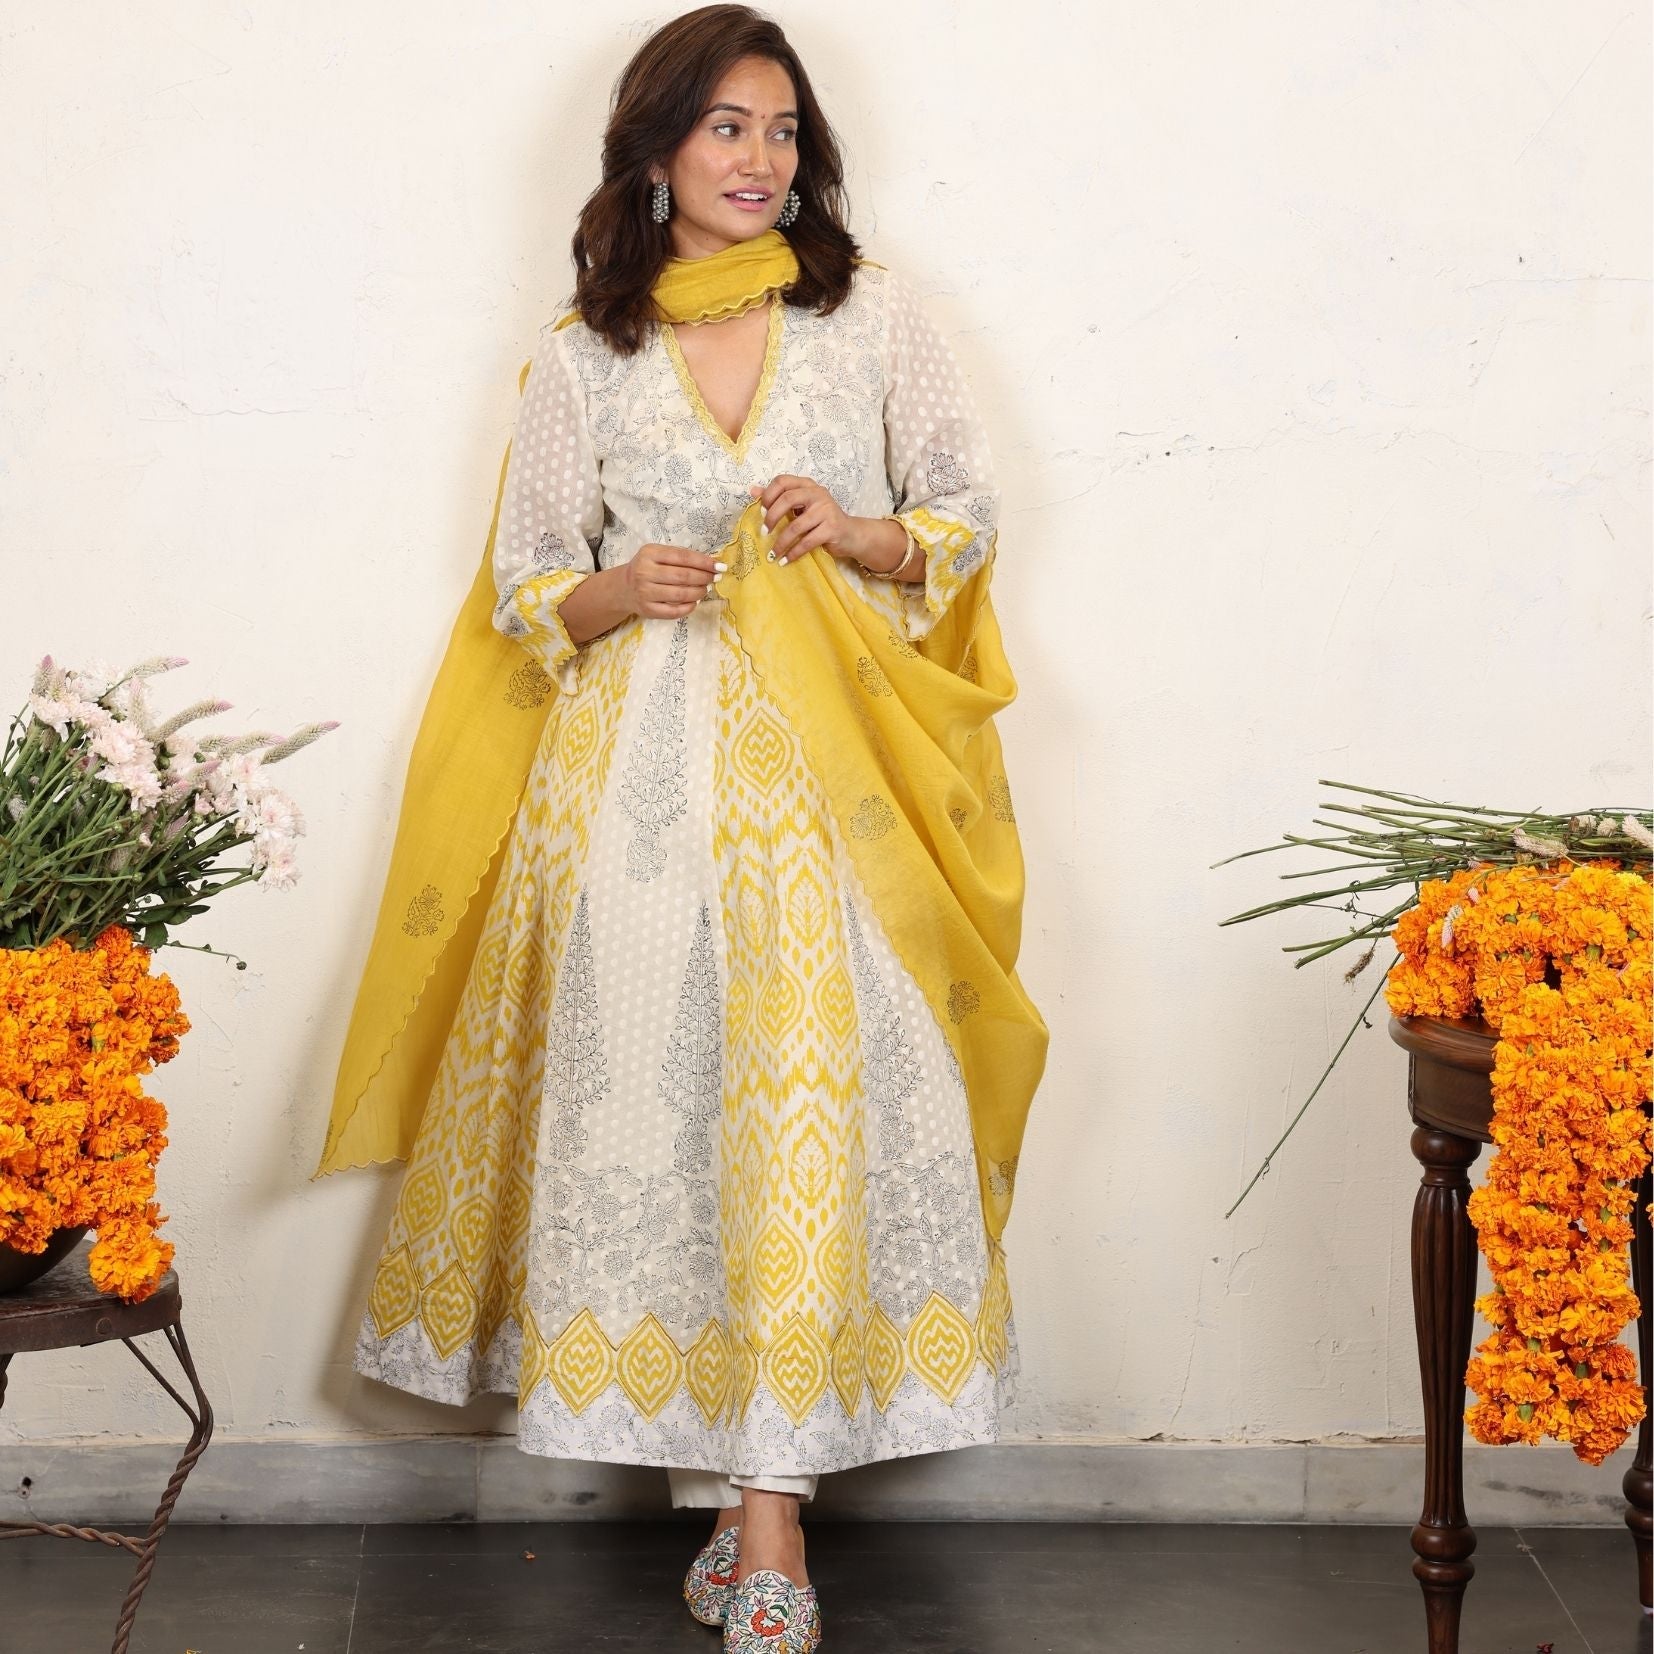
{"type": "Point", "coordinates": [745, 141]}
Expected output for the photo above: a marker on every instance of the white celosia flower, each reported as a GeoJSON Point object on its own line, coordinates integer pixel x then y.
{"type": "Point", "coordinates": [225, 745]}
{"type": "Point", "coordinates": [1536, 845]}
{"type": "Point", "coordinates": [127, 700]}
{"type": "Point", "coordinates": [182, 780]}
{"type": "Point", "coordinates": [157, 663]}
{"type": "Point", "coordinates": [298, 740]}
{"type": "Point", "coordinates": [200, 709]}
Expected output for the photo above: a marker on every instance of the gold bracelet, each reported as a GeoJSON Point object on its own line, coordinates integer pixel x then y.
{"type": "Point", "coordinates": [907, 556]}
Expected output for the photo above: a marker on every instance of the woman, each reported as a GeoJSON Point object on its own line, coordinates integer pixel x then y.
{"type": "Point", "coordinates": [692, 1003]}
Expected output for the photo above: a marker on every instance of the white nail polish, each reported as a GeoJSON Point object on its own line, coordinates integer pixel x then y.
{"type": "Point", "coordinates": [722, 568]}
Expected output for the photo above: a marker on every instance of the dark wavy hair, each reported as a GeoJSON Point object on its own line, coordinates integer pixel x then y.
{"type": "Point", "coordinates": [659, 97]}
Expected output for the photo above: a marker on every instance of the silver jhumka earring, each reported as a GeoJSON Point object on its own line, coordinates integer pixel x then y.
{"type": "Point", "coordinates": [789, 210]}
{"type": "Point", "coordinates": [660, 208]}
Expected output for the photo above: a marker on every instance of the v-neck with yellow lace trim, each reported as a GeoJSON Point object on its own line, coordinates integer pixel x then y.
{"type": "Point", "coordinates": [735, 447]}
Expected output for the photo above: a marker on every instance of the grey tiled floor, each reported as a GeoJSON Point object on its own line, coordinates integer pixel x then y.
{"type": "Point", "coordinates": [890, 1588]}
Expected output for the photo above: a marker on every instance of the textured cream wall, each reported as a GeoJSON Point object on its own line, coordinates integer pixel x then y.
{"type": "Point", "coordinates": [1315, 345]}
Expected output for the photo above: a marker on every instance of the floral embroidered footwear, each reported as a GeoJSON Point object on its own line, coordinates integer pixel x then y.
{"type": "Point", "coordinates": [710, 1582]}
{"type": "Point", "coordinates": [768, 1614]}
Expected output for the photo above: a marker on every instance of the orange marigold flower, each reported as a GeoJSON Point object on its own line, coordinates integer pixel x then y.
{"type": "Point", "coordinates": [79, 1137]}
{"type": "Point", "coordinates": [1556, 959]}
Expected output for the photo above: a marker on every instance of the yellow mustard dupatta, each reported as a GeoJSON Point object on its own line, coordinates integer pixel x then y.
{"type": "Point", "coordinates": [901, 735]}
{"type": "Point", "coordinates": [470, 762]}
{"type": "Point", "coordinates": [709, 289]}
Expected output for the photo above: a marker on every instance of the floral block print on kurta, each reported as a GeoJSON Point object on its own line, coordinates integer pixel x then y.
{"type": "Point", "coordinates": [696, 1178]}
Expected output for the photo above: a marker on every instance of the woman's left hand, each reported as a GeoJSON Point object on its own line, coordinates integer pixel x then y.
{"type": "Point", "coordinates": [817, 520]}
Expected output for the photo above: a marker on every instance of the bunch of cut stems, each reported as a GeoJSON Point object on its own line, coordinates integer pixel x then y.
{"type": "Point", "coordinates": [1406, 840]}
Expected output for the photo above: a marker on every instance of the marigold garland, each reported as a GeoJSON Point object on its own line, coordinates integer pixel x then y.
{"type": "Point", "coordinates": [1556, 959]}
{"type": "Point", "coordinates": [78, 1135]}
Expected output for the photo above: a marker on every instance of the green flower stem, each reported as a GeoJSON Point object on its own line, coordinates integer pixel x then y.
{"type": "Point", "coordinates": [1268, 1159]}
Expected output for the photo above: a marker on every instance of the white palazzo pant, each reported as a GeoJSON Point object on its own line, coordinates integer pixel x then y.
{"type": "Point", "coordinates": [709, 1487]}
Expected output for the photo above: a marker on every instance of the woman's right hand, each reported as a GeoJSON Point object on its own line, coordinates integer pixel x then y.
{"type": "Point", "coordinates": [664, 582]}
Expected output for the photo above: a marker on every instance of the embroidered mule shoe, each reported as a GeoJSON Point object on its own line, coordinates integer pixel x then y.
{"type": "Point", "coordinates": [768, 1614]}
{"type": "Point", "coordinates": [710, 1582]}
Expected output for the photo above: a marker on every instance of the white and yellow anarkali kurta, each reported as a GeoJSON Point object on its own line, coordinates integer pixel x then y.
{"type": "Point", "coordinates": [696, 1181]}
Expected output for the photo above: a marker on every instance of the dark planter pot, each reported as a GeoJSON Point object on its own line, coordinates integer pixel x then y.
{"type": "Point", "coordinates": [19, 1269]}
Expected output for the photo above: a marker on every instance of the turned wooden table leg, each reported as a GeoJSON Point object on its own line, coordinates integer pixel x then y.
{"type": "Point", "coordinates": [1444, 1290]}
{"type": "Point", "coordinates": [1639, 1480]}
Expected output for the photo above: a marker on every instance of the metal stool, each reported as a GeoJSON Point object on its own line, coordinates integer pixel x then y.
{"type": "Point", "coordinates": [63, 1309]}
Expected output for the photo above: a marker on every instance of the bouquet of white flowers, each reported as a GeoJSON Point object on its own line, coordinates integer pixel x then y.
{"type": "Point", "coordinates": [110, 816]}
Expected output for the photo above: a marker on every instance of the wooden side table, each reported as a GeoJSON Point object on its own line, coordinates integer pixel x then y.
{"type": "Point", "coordinates": [1450, 1097]}
{"type": "Point", "coordinates": [63, 1309]}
